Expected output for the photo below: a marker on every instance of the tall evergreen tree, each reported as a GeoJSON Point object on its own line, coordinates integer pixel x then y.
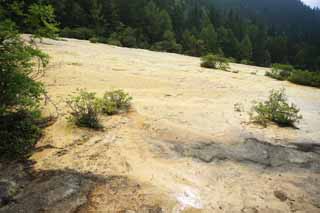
{"type": "Point", "coordinates": [209, 36]}
{"type": "Point", "coordinates": [246, 49]}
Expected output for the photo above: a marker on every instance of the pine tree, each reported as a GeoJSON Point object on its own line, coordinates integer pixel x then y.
{"type": "Point", "coordinates": [245, 49]}
{"type": "Point", "coordinates": [209, 36]}
{"type": "Point", "coordinates": [96, 12]}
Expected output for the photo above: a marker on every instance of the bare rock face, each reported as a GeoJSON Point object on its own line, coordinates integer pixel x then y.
{"type": "Point", "coordinates": [255, 152]}
{"type": "Point", "coordinates": [186, 146]}
{"type": "Point", "coordinates": [8, 189]}
{"type": "Point", "coordinates": [60, 193]}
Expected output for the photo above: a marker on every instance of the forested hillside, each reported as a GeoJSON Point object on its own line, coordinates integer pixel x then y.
{"type": "Point", "coordinates": [249, 31]}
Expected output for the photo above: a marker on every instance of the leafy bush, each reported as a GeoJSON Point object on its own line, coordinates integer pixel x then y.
{"type": "Point", "coordinates": [280, 71]}
{"type": "Point", "coordinates": [78, 33]}
{"type": "Point", "coordinates": [20, 63]}
{"type": "Point", "coordinates": [128, 37]}
{"type": "Point", "coordinates": [94, 40]}
{"type": "Point", "coordinates": [114, 40]}
{"type": "Point", "coordinates": [114, 102]}
{"type": "Point", "coordinates": [85, 109]}
{"type": "Point", "coordinates": [276, 109]}
{"type": "Point", "coordinates": [305, 78]}
{"type": "Point", "coordinates": [246, 62]}
{"type": "Point", "coordinates": [19, 133]}
{"type": "Point", "coordinates": [287, 72]}
{"type": "Point", "coordinates": [18, 90]}
{"type": "Point", "coordinates": [41, 21]}
{"type": "Point", "coordinates": [114, 43]}
{"type": "Point", "coordinates": [215, 62]}
{"type": "Point", "coordinates": [169, 43]}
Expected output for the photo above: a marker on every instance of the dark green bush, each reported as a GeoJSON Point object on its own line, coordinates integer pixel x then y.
{"type": "Point", "coordinates": [246, 62]}
{"type": "Point", "coordinates": [128, 37]}
{"type": "Point", "coordinates": [215, 62]}
{"type": "Point", "coordinates": [169, 43]}
{"type": "Point", "coordinates": [78, 33]}
{"type": "Point", "coordinates": [21, 63]}
{"type": "Point", "coordinates": [276, 109]}
{"type": "Point", "coordinates": [287, 72]}
{"type": "Point", "coordinates": [94, 40]}
{"type": "Point", "coordinates": [19, 133]}
{"type": "Point", "coordinates": [114, 102]}
{"type": "Point", "coordinates": [114, 39]}
{"type": "Point", "coordinates": [305, 78]}
{"type": "Point", "coordinates": [18, 90]}
{"type": "Point", "coordinates": [85, 109]}
{"type": "Point", "coordinates": [114, 43]}
{"type": "Point", "coordinates": [280, 71]}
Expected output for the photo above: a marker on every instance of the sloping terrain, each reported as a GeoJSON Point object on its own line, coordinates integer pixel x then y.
{"type": "Point", "coordinates": [182, 148]}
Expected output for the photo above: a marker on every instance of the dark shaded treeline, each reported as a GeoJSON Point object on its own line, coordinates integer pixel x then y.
{"type": "Point", "coordinates": [250, 31]}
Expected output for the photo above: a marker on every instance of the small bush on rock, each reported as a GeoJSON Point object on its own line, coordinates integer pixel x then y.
{"type": "Point", "coordinates": [85, 109]}
{"type": "Point", "coordinates": [276, 109]}
{"type": "Point", "coordinates": [280, 71]}
{"type": "Point", "coordinates": [305, 78]}
{"type": "Point", "coordinates": [214, 62]}
{"type": "Point", "coordinates": [78, 33]}
{"type": "Point", "coordinates": [114, 102]}
{"type": "Point", "coordinates": [94, 40]}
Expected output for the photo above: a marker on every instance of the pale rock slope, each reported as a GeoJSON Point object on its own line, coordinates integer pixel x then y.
{"type": "Point", "coordinates": [182, 148]}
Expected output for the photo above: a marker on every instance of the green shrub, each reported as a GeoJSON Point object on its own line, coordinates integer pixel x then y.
{"type": "Point", "coordinates": [246, 62]}
{"type": "Point", "coordinates": [21, 63]}
{"type": "Point", "coordinates": [18, 90]}
{"type": "Point", "coordinates": [128, 37]}
{"type": "Point", "coordinates": [215, 62]}
{"type": "Point", "coordinates": [276, 109]}
{"type": "Point", "coordinates": [78, 33]}
{"type": "Point", "coordinates": [114, 102]}
{"type": "Point", "coordinates": [280, 71]}
{"type": "Point", "coordinates": [231, 60]}
{"type": "Point", "coordinates": [114, 43]}
{"type": "Point", "coordinates": [305, 78]}
{"type": "Point", "coordinates": [168, 44]}
{"type": "Point", "coordinates": [19, 133]}
{"type": "Point", "coordinates": [41, 21]}
{"type": "Point", "coordinates": [114, 39]}
{"type": "Point", "coordinates": [94, 40]}
{"type": "Point", "coordinates": [85, 109]}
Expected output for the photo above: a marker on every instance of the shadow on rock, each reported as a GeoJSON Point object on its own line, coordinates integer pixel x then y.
{"type": "Point", "coordinates": [64, 191]}
{"type": "Point", "coordinates": [255, 152]}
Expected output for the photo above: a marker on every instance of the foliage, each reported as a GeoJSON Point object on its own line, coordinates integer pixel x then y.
{"type": "Point", "coordinates": [41, 21]}
{"type": "Point", "coordinates": [85, 109]}
{"type": "Point", "coordinates": [19, 133]}
{"type": "Point", "coordinates": [114, 40]}
{"type": "Point", "coordinates": [276, 109]}
{"type": "Point", "coordinates": [128, 37]}
{"type": "Point", "coordinates": [20, 64]}
{"type": "Point", "coordinates": [192, 45]}
{"type": "Point", "coordinates": [244, 61]}
{"type": "Point", "coordinates": [215, 62]}
{"type": "Point", "coordinates": [245, 49]}
{"type": "Point", "coordinates": [18, 90]}
{"type": "Point", "coordinates": [114, 102]}
{"type": "Point", "coordinates": [94, 40]}
{"type": "Point", "coordinates": [305, 78]}
{"type": "Point", "coordinates": [78, 33]}
{"type": "Point", "coordinates": [169, 43]}
{"type": "Point", "coordinates": [280, 71]}
{"type": "Point", "coordinates": [288, 72]}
